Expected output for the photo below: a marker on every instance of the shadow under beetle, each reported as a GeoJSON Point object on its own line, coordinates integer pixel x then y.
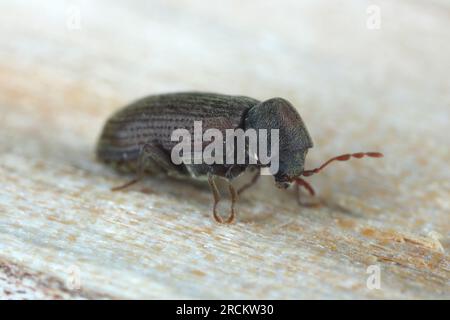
{"type": "Point", "coordinates": [137, 139]}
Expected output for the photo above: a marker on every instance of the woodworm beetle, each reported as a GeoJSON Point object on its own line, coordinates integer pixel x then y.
{"type": "Point", "coordinates": [137, 139]}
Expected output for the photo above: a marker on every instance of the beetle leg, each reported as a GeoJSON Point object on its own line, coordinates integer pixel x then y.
{"type": "Point", "coordinates": [139, 172]}
{"type": "Point", "coordinates": [156, 156]}
{"type": "Point", "coordinates": [148, 152]}
{"type": "Point", "coordinates": [216, 196]}
{"type": "Point", "coordinates": [299, 182]}
{"type": "Point", "coordinates": [297, 193]}
{"type": "Point", "coordinates": [251, 183]}
{"type": "Point", "coordinates": [234, 196]}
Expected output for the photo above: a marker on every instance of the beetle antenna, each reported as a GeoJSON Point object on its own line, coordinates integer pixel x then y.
{"type": "Point", "coordinates": [343, 157]}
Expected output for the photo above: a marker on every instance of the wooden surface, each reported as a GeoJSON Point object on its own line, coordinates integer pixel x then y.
{"type": "Point", "coordinates": [63, 234]}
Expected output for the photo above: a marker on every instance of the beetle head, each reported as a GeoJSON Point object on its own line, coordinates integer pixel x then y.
{"type": "Point", "coordinates": [290, 168]}
{"type": "Point", "coordinates": [294, 139]}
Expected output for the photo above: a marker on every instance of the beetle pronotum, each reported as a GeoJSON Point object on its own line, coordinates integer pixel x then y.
{"type": "Point", "coordinates": [137, 139]}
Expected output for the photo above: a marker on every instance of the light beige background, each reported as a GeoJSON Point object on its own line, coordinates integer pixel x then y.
{"type": "Point", "coordinates": [65, 66]}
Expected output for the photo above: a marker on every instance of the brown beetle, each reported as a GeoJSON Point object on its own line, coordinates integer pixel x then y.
{"type": "Point", "coordinates": [138, 139]}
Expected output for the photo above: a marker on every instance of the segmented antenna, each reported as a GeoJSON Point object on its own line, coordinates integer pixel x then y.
{"type": "Point", "coordinates": [343, 157]}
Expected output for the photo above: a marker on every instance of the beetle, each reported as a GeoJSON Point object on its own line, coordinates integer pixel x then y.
{"type": "Point", "coordinates": [137, 139]}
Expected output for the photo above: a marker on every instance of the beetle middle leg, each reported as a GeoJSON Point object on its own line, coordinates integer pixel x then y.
{"type": "Point", "coordinates": [216, 195]}
{"type": "Point", "coordinates": [251, 182]}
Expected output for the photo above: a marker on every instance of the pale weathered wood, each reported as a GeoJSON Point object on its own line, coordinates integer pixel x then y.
{"type": "Point", "coordinates": [63, 233]}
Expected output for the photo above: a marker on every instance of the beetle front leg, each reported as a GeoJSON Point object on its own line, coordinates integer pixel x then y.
{"type": "Point", "coordinates": [299, 182]}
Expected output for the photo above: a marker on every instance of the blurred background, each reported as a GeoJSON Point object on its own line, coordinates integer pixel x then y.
{"type": "Point", "coordinates": [364, 75]}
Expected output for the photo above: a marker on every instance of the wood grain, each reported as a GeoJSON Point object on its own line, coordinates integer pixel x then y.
{"type": "Point", "coordinates": [63, 234]}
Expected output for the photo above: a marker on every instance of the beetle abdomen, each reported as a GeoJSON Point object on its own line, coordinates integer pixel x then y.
{"type": "Point", "coordinates": [154, 118]}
